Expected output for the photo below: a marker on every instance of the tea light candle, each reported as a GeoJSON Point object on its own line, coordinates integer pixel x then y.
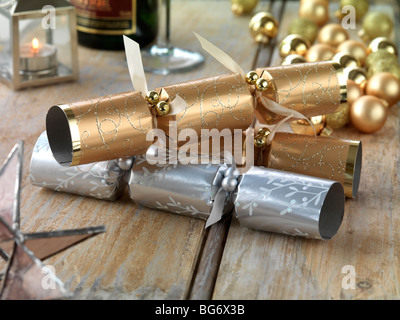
{"type": "Point", "coordinates": [38, 59]}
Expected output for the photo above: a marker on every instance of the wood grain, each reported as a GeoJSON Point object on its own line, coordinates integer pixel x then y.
{"type": "Point", "coordinates": [257, 265]}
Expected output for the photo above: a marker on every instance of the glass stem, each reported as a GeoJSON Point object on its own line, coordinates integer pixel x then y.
{"type": "Point", "coordinates": [163, 37]}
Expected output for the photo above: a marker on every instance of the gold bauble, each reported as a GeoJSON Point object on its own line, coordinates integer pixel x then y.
{"type": "Point", "coordinates": [384, 66]}
{"type": "Point", "coordinates": [353, 92]}
{"type": "Point", "coordinates": [263, 27]}
{"type": "Point", "coordinates": [376, 24]}
{"type": "Point", "coordinates": [345, 60]}
{"type": "Point", "coordinates": [302, 126]}
{"type": "Point", "coordinates": [293, 44]}
{"type": "Point", "coordinates": [242, 7]}
{"type": "Point", "coordinates": [385, 86]}
{"type": "Point", "coordinates": [361, 7]}
{"type": "Point", "coordinates": [320, 52]}
{"type": "Point", "coordinates": [355, 48]}
{"type": "Point", "coordinates": [162, 108]}
{"type": "Point", "coordinates": [357, 74]}
{"type": "Point", "coordinates": [382, 44]}
{"type": "Point", "coordinates": [293, 59]}
{"type": "Point", "coordinates": [332, 34]}
{"type": "Point", "coordinates": [316, 10]}
{"type": "Point", "coordinates": [368, 114]}
{"type": "Point", "coordinates": [304, 27]}
{"type": "Point", "coordinates": [380, 55]}
{"type": "Point", "coordinates": [339, 118]}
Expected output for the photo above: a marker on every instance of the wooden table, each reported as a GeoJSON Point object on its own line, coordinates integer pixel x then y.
{"type": "Point", "coordinates": [146, 254]}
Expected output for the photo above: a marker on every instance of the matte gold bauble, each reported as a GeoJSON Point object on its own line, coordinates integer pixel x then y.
{"type": "Point", "coordinates": [368, 114]}
{"type": "Point", "coordinates": [345, 60]}
{"type": "Point", "coordinates": [263, 27]}
{"type": "Point", "coordinates": [339, 118]}
{"type": "Point", "coordinates": [320, 52]}
{"type": "Point", "coordinates": [382, 44]}
{"type": "Point", "coordinates": [355, 48]}
{"type": "Point", "coordinates": [380, 55]}
{"type": "Point", "coordinates": [293, 59]}
{"type": "Point", "coordinates": [384, 66]}
{"type": "Point", "coordinates": [302, 126]}
{"type": "Point", "coordinates": [332, 34]}
{"type": "Point", "coordinates": [304, 27]}
{"type": "Point", "coordinates": [361, 7]}
{"type": "Point", "coordinates": [357, 74]}
{"type": "Point", "coordinates": [242, 7]}
{"type": "Point", "coordinates": [385, 86]}
{"type": "Point", "coordinates": [316, 10]}
{"type": "Point", "coordinates": [353, 92]}
{"type": "Point", "coordinates": [293, 44]}
{"type": "Point", "coordinates": [376, 24]}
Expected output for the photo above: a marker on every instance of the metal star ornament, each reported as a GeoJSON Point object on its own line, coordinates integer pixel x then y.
{"type": "Point", "coordinates": [25, 277]}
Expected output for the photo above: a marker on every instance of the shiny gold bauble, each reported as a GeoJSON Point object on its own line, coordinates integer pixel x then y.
{"type": "Point", "coordinates": [376, 24]}
{"type": "Point", "coordinates": [302, 126]}
{"type": "Point", "coordinates": [357, 74]}
{"type": "Point", "coordinates": [339, 118]}
{"type": "Point", "coordinates": [263, 27]}
{"type": "Point", "coordinates": [320, 52]}
{"type": "Point", "coordinates": [316, 10]}
{"type": "Point", "coordinates": [345, 60]}
{"type": "Point", "coordinates": [332, 34]}
{"type": "Point", "coordinates": [385, 86]}
{"type": "Point", "coordinates": [368, 114]}
{"type": "Point", "coordinates": [251, 77]}
{"type": "Point", "coordinates": [361, 7]}
{"type": "Point", "coordinates": [162, 108]}
{"type": "Point", "coordinates": [293, 44]}
{"type": "Point", "coordinates": [382, 44]}
{"type": "Point", "coordinates": [152, 97]}
{"type": "Point", "coordinates": [262, 84]}
{"type": "Point", "coordinates": [293, 59]}
{"type": "Point", "coordinates": [353, 92]}
{"type": "Point", "coordinates": [242, 7]}
{"type": "Point", "coordinates": [380, 55]}
{"type": "Point", "coordinates": [355, 48]}
{"type": "Point", "coordinates": [304, 27]}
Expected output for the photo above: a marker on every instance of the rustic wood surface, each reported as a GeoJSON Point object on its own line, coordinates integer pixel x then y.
{"type": "Point", "coordinates": [147, 254]}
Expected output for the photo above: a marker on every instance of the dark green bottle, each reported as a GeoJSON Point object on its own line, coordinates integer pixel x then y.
{"type": "Point", "coordinates": [101, 23]}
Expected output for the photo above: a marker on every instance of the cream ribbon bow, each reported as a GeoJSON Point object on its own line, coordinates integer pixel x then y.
{"type": "Point", "coordinates": [270, 105]}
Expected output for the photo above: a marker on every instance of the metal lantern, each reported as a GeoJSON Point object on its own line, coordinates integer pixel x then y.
{"type": "Point", "coordinates": [38, 42]}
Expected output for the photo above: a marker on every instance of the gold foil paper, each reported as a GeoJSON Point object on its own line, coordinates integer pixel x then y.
{"type": "Point", "coordinates": [323, 157]}
{"type": "Point", "coordinates": [100, 129]}
{"type": "Point", "coordinates": [310, 88]}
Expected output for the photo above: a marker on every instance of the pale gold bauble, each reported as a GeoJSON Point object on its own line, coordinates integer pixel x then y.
{"type": "Point", "coordinates": [384, 66]}
{"type": "Point", "coordinates": [339, 118]}
{"type": "Point", "coordinates": [361, 7]}
{"type": "Point", "coordinates": [316, 10]}
{"type": "Point", "coordinates": [263, 27]}
{"type": "Point", "coordinates": [293, 44]}
{"type": "Point", "coordinates": [332, 34]}
{"type": "Point", "coordinates": [353, 92]}
{"type": "Point", "coordinates": [368, 114]}
{"type": "Point", "coordinates": [385, 86]}
{"type": "Point", "coordinates": [242, 7]}
{"type": "Point", "coordinates": [357, 74]}
{"type": "Point", "coordinates": [345, 60]}
{"type": "Point", "coordinates": [376, 24]}
{"type": "Point", "coordinates": [304, 27]}
{"type": "Point", "coordinates": [293, 59]}
{"type": "Point", "coordinates": [355, 48]}
{"type": "Point", "coordinates": [320, 52]}
{"type": "Point", "coordinates": [380, 55]}
{"type": "Point", "coordinates": [382, 44]}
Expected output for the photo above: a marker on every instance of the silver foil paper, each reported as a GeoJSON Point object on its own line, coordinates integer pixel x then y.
{"type": "Point", "coordinates": [188, 190]}
{"type": "Point", "coordinates": [102, 180]}
{"type": "Point", "coordinates": [288, 203]}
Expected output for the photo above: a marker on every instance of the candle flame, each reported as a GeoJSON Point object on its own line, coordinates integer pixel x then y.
{"type": "Point", "coordinates": [35, 45]}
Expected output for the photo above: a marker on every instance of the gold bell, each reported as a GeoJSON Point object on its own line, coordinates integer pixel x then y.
{"type": "Point", "coordinates": [152, 97]}
{"type": "Point", "coordinates": [260, 140]}
{"type": "Point", "coordinates": [384, 44]}
{"type": "Point", "coordinates": [263, 27]}
{"type": "Point", "coordinates": [162, 108]}
{"type": "Point", "coordinates": [263, 132]}
{"type": "Point", "coordinates": [262, 84]}
{"type": "Point", "coordinates": [293, 44]}
{"type": "Point", "coordinates": [251, 77]}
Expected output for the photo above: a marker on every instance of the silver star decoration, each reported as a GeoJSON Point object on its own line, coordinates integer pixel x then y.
{"type": "Point", "coordinates": [25, 276]}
